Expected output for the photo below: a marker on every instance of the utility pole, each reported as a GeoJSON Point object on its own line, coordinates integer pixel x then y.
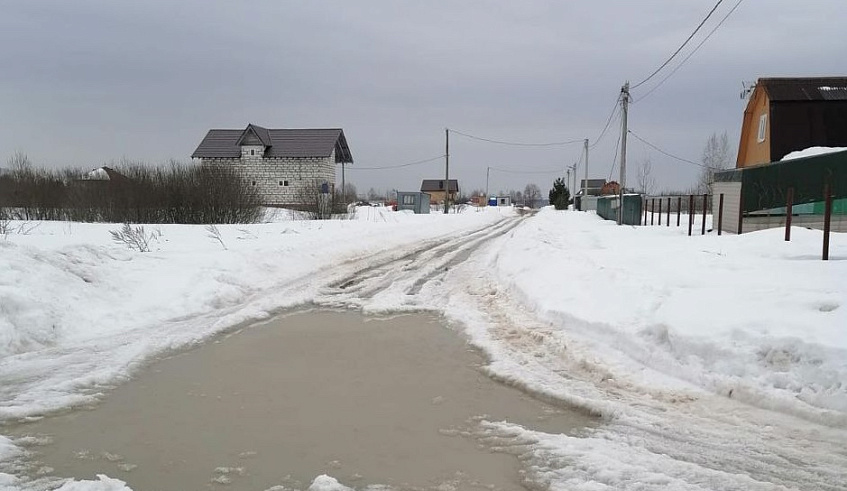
{"type": "Point", "coordinates": [487, 173]}
{"type": "Point", "coordinates": [573, 189]}
{"type": "Point", "coordinates": [624, 129]}
{"type": "Point", "coordinates": [585, 184]}
{"type": "Point", "coordinates": [343, 186]}
{"type": "Point", "coordinates": [446, 170]}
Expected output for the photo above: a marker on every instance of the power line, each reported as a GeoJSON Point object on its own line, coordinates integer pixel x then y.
{"type": "Point", "coordinates": [666, 153]}
{"type": "Point", "coordinates": [517, 144]}
{"type": "Point", "coordinates": [615, 159]}
{"type": "Point", "coordinates": [680, 47]}
{"type": "Point", "coordinates": [507, 171]}
{"type": "Point", "coordinates": [608, 123]}
{"type": "Point", "coordinates": [397, 166]}
{"type": "Point", "coordinates": [689, 54]}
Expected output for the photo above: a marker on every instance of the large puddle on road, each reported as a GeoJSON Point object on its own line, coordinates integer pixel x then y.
{"type": "Point", "coordinates": [364, 400]}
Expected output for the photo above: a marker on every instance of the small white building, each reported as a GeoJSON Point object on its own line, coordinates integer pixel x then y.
{"type": "Point", "coordinates": [281, 163]}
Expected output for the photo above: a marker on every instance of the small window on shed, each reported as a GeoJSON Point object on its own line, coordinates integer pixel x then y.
{"type": "Point", "coordinates": [252, 152]}
{"type": "Point", "coordinates": [763, 124]}
{"type": "Point", "coordinates": [253, 183]}
{"type": "Point", "coordinates": [408, 199]}
{"type": "Point", "coordinates": [283, 183]}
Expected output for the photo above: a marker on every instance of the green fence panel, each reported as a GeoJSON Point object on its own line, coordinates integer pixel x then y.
{"type": "Point", "coordinates": [766, 186]}
{"type": "Point", "coordinates": [607, 208]}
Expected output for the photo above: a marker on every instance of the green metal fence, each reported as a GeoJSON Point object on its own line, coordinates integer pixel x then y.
{"type": "Point", "coordinates": [765, 187]}
{"type": "Point", "coordinates": [607, 208]}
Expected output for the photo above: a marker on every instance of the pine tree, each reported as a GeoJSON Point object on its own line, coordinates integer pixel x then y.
{"type": "Point", "coordinates": [560, 195]}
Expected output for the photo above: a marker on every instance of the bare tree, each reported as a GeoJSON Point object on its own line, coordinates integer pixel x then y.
{"type": "Point", "coordinates": [531, 195]}
{"type": "Point", "coordinates": [716, 157]}
{"type": "Point", "coordinates": [646, 181]}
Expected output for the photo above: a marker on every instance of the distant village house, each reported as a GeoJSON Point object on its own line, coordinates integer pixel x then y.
{"type": "Point", "coordinates": [282, 164]}
{"type": "Point", "coordinates": [437, 191]}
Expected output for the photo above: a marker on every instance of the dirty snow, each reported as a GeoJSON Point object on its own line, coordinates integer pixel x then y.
{"type": "Point", "coordinates": [715, 362]}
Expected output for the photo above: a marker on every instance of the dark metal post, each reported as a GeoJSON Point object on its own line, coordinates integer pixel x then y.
{"type": "Point", "coordinates": [678, 209]}
{"type": "Point", "coordinates": [720, 214]}
{"type": "Point", "coordinates": [705, 204]}
{"type": "Point", "coordinates": [668, 218]}
{"type": "Point", "coordinates": [740, 211]}
{"type": "Point", "coordinates": [660, 211]}
{"type": "Point", "coordinates": [789, 208]}
{"type": "Point", "coordinates": [690, 213]}
{"type": "Point", "coordinates": [652, 210]}
{"type": "Point", "coordinates": [645, 210]}
{"type": "Point", "coordinates": [827, 216]}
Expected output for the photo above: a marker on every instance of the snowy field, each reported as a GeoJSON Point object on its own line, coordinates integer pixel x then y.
{"type": "Point", "coordinates": [715, 362]}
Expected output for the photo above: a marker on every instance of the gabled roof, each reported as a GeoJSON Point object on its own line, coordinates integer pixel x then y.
{"type": "Point", "coordinates": [291, 143]}
{"type": "Point", "coordinates": [261, 133]}
{"type": "Point", "coordinates": [438, 185]}
{"type": "Point", "coordinates": [805, 89]}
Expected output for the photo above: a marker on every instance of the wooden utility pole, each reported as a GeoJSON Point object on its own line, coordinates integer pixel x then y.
{"type": "Point", "coordinates": [487, 174]}
{"type": "Point", "coordinates": [624, 129]}
{"type": "Point", "coordinates": [446, 170]}
{"type": "Point", "coordinates": [585, 184]}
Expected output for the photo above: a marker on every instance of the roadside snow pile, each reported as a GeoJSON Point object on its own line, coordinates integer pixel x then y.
{"type": "Point", "coordinates": [812, 151]}
{"type": "Point", "coordinates": [749, 317]}
{"type": "Point", "coordinates": [78, 311]}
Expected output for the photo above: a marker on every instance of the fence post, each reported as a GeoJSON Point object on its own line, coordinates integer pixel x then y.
{"type": "Point", "coordinates": [827, 216]}
{"type": "Point", "coordinates": [668, 218]}
{"type": "Point", "coordinates": [660, 211]}
{"type": "Point", "coordinates": [789, 206]}
{"type": "Point", "coordinates": [720, 214]}
{"type": "Point", "coordinates": [705, 204]}
{"type": "Point", "coordinates": [740, 211]}
{"type": "Point", "coordinates": [645, 210]}
{"type": "Point", "coordinates": [690, 213]}
{"type": "Point", "coordinates": [678, 209]}
{"type": "Point", "coordinates": [652, 210]}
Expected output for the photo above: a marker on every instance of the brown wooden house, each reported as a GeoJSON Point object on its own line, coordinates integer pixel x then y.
{"type": "Point", "coordinates": [788, 114]}
{"type": "Point", "coordinates": [437, 191]}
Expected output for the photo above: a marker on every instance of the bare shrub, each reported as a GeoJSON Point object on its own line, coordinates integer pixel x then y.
{"type": "Point", "coordinates": [315, 204]}
{"type": "Point", "coordinates": [131, 193]}
{"type": "Point", "coordinates": [215, 233]}
{"type": "Point", "coordinates": [135, 238]}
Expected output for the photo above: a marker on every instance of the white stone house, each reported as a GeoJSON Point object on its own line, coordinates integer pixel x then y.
{"type": "Point", "coordinates": [281, 163]}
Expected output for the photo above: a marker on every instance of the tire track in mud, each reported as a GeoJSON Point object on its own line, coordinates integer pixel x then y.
{"type": "Point", "coordinates": [409, 273]}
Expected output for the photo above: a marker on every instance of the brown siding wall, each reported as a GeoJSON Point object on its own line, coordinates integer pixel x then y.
{"type": "Point", "coordinates": [750, 150]}
{"type": "Point", "coordinates": [804, 124]}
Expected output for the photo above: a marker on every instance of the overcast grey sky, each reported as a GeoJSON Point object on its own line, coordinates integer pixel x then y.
{"type": "Point", "coordinates": [88, 82]}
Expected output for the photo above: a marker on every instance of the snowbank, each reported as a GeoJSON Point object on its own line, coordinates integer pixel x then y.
{"type": "Point", "coordinates": [749, 316]}
{"type": "Point", "coordinates": [714, 362]}
{"type": "Point", "coordinates": [812, 151]}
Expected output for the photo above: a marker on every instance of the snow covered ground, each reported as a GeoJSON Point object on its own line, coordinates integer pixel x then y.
{"type": "Point", "coordinates": [715, 362]}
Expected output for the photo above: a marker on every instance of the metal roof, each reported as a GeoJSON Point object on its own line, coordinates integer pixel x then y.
{"type": "Point", "coordinates": [805, 89]}
{"type": "Point", "coordinates": [291, 143]}
{"type": "Point", "coordinates": [438, 185]}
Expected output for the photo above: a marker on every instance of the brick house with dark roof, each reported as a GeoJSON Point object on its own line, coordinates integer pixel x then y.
{"type": "Point", "coordinates": [788, 114]}
{"type": "Point", "coordinates": [280, 163]}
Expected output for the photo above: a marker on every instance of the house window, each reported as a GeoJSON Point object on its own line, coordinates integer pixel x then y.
{"type": "Point", "coordinates": [408, 199]}
{"type": "Point", "coordinates": [253, 183]}
{"type": "Point", "coordinates": [283, 183]}
{"type": "Point", "coordinates": [252, 152]}
{"type": "Point", "coordinates": [763, 124]}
